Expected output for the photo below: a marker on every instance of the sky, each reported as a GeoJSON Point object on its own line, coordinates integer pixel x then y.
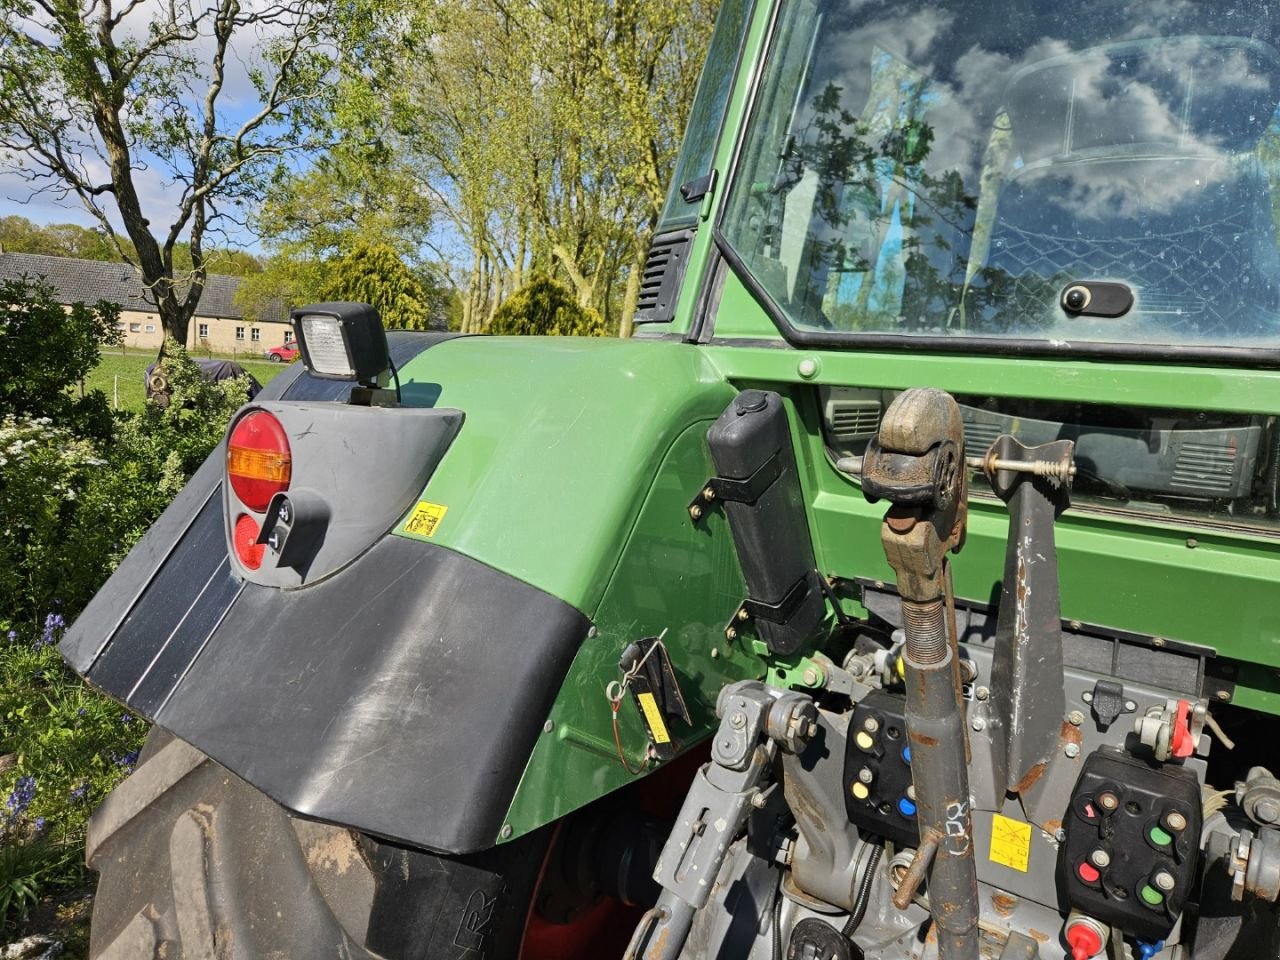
{"type": "Point", "coordinates": [238, 100]}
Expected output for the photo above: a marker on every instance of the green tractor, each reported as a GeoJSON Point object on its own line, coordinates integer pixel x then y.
{"type": "Point", "coordinates": [907, 587]}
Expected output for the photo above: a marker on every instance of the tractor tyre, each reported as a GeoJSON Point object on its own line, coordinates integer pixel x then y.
{"type": "Point", "coordinates": [195, 863]}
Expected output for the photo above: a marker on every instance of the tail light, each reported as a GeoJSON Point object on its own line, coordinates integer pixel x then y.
{"type": "Point", "coordinates": [259, 464]}
{"type": "Point", "coordinates": [245, 538]}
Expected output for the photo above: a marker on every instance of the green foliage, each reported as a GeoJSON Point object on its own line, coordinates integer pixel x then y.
{"type": "Point", "coordinates": [20, 235]}
{"type": "Point", "coordinates": [65, 749]}
{"type": "Point", "coordinates": [372, 272]}
{"type": "Point", "coordinates": [546, 307]}
{"type": "Point", "coordinates": [71, 505]}
{"type": "Point", "coordinates": [44, 349]}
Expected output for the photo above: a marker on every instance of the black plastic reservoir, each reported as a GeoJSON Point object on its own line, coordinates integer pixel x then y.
{"type": "Point", "coordinates": [752, 438]}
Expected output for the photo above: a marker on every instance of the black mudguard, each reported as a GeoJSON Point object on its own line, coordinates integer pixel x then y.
{"type": "Point", "coordinates": [401, 696]}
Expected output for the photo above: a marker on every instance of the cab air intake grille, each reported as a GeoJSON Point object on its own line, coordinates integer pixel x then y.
{"type": "Point", "coordinates": [663, 273]}
{"type": "Point", "coordinates": [1205, 468]}
{"type": "Point", "coordinates": [853, 420]}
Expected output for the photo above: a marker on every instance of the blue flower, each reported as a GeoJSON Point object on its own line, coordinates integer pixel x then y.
{"type": "Point", "coordinates": [39, 824]}
{"type": "Point", "coordinates": [53, 623]}
{"type": "Point", "coordinates": [21, 796]}
{"type": "Point", "coordinates": [12, 635]}
{"type": "Point", "coordinates": [126, 719]}
{"type": "Point", "coordinates": [80, 792]}
{"type": "Point", "coordinates": [128, 760]}
{"type": "Point", "coordinates": [82, 711]}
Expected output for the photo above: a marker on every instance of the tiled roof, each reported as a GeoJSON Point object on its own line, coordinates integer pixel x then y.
{"type": "Point", "coordinates": [88, 281]}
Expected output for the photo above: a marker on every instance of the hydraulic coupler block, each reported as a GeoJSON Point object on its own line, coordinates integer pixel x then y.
{"type": "Point", "coordinates": [758, 483]}
{"type": "Point", "coordinates": [1133, 843]}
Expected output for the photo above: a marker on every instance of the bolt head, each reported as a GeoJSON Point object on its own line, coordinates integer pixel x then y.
{"type": "Point", "coordinates": [807, 367]}
{"type": "Point", "coordinates": [1157, 642]}
{"type": "Point", "coordinates": [1267, 810]}
{"type": "Point", "coordinates": [1060, 835]}
{"type": "Point", "coordinates": [592, 633]}
{"type": "Point", "coordinates": [731, 633]}
{"type": "Point", "coordinates": [743, 615]}
{"type": "Point", "coordinates": [1075, 718]}
{"type": "Point", "coordinates": [982, 693]}
{"type": "Point", "coordinates": [507, 831]}
{"type": "Point", "coordinates": [1164, 881]}
{"type": "Point", "coordinates": [1108, 801]}
{"type": "Point", "coordinates": [1175, 821]}
{"type": "Point", "coordinates": [1100, 858]}
{"type": "Point", "coordinates": [871, 725]}
{"type": "Point", "coordinates": [708, 493]}
{"type": "Point", "coordinates": [810, 677]}
{"type": "Point", "coordinates": [1130, 706]}
{"type": "Point", "coordinates": [1072, 750]}
{"type": "Point", "coordinates": [978, 724]}
{"type": "Point", "coordinates": [1223, 695]}
{"type": "Point", "coordinates": [865, 775]}
{"type": "Point", "coordinates": [715, 653]}
{"type": "Point", "coordinates": [548, 726]}
{"type": "Point", "coordinates": [695, 511]}
{"type": "Point", "coordinates": [758, 800]}
{"type": "Point", "coordinates": [737, 719]}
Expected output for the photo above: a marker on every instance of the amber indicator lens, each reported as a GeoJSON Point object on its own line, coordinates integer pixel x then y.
{"type": "Point", "coordinates": [259, 464]}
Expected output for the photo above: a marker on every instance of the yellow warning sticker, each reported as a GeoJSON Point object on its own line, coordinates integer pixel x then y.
{"type": "Point", "coordinates": [425, 519]}
{"type": "Point", "coordinates": [654, 717]}
{"type": "Point", "coordinates": [1010, 842]}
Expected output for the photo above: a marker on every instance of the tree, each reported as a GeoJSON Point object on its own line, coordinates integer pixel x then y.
{"type": "Point", "coordinates": [542, 134]}
{"type": "Point", "coordinates": [141, 86]}
{"type": "Point", "coordinates": [547, 308]}
{"type": "Point", "coordinates": [371, 272]}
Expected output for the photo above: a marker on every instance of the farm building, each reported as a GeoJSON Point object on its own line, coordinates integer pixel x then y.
{"type": "Point", "coordinates": [219, 324]}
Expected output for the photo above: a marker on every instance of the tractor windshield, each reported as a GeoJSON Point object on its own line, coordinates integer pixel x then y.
{"type": "Point", "coordinates": [951, 170]}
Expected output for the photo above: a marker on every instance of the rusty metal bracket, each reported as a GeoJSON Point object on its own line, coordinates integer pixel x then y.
{"type": "Point", "coordinates": [720, 489]}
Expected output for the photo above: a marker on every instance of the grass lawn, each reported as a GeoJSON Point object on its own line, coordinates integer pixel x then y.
{"type": "Point", "coordinates": [131, 365]}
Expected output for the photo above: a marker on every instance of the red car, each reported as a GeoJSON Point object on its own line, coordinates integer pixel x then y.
{"type": "Point", "coordinates": [287, 352]}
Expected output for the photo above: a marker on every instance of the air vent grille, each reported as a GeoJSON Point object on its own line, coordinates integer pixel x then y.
{"type": "Point", "coordinates": [1205, 468]}
{"type": "Point", "coordinates": [854, 420]}
{"type": "Point", "coordinates": [978, 437]}
{"type": "Point", "coordinates": [663, 272]}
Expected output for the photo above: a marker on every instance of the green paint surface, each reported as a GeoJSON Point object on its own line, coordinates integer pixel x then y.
{"type": "Point", "coordinates": [560, 444]}
{"type": "Point", "coordinates": [673, 576]}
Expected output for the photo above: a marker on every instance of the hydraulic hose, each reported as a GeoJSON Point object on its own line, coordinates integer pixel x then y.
{"type": "Point", "coordinates": [864, 893]}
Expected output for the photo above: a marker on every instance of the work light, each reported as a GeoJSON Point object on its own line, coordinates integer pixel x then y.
{"type": "Point", "coordinates": [342, 341]}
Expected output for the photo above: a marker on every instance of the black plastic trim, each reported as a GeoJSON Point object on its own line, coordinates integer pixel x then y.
{"type": "Point", "coordinates": [401, 697]}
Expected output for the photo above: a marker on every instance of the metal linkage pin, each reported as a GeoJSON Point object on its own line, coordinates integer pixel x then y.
{"type": "Point", "coordinates": [1055, 472]}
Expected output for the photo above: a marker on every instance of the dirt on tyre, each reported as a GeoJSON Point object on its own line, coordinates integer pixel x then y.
{"type": "Point", "coordinates": [196, 864]}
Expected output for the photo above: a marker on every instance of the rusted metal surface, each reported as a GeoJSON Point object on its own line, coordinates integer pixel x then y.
{"type": "Point", "coordinates": [1003, 903]}
{"type": "Point", "coordinates": [911, 880]}
{"type": "Point", "coordinates": [1030, 778]}
{"type": "Point", "coordinates": [1026, 687]}
{"type": "Point", "coordinates": [916, 463]}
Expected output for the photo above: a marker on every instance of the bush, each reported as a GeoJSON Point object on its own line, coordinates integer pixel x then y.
{"type": "Point", "coordinates": [45, 349]}
{"type": "Point", "coordinates": [76, 492]}
{"type": "Point", "coordinates": [546, 307]}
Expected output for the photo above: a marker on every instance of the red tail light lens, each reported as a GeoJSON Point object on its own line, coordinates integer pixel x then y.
{"type": "Point", "coordinates": [245, 539]}
{"type": "Point", "coordinates": [259, 464]}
